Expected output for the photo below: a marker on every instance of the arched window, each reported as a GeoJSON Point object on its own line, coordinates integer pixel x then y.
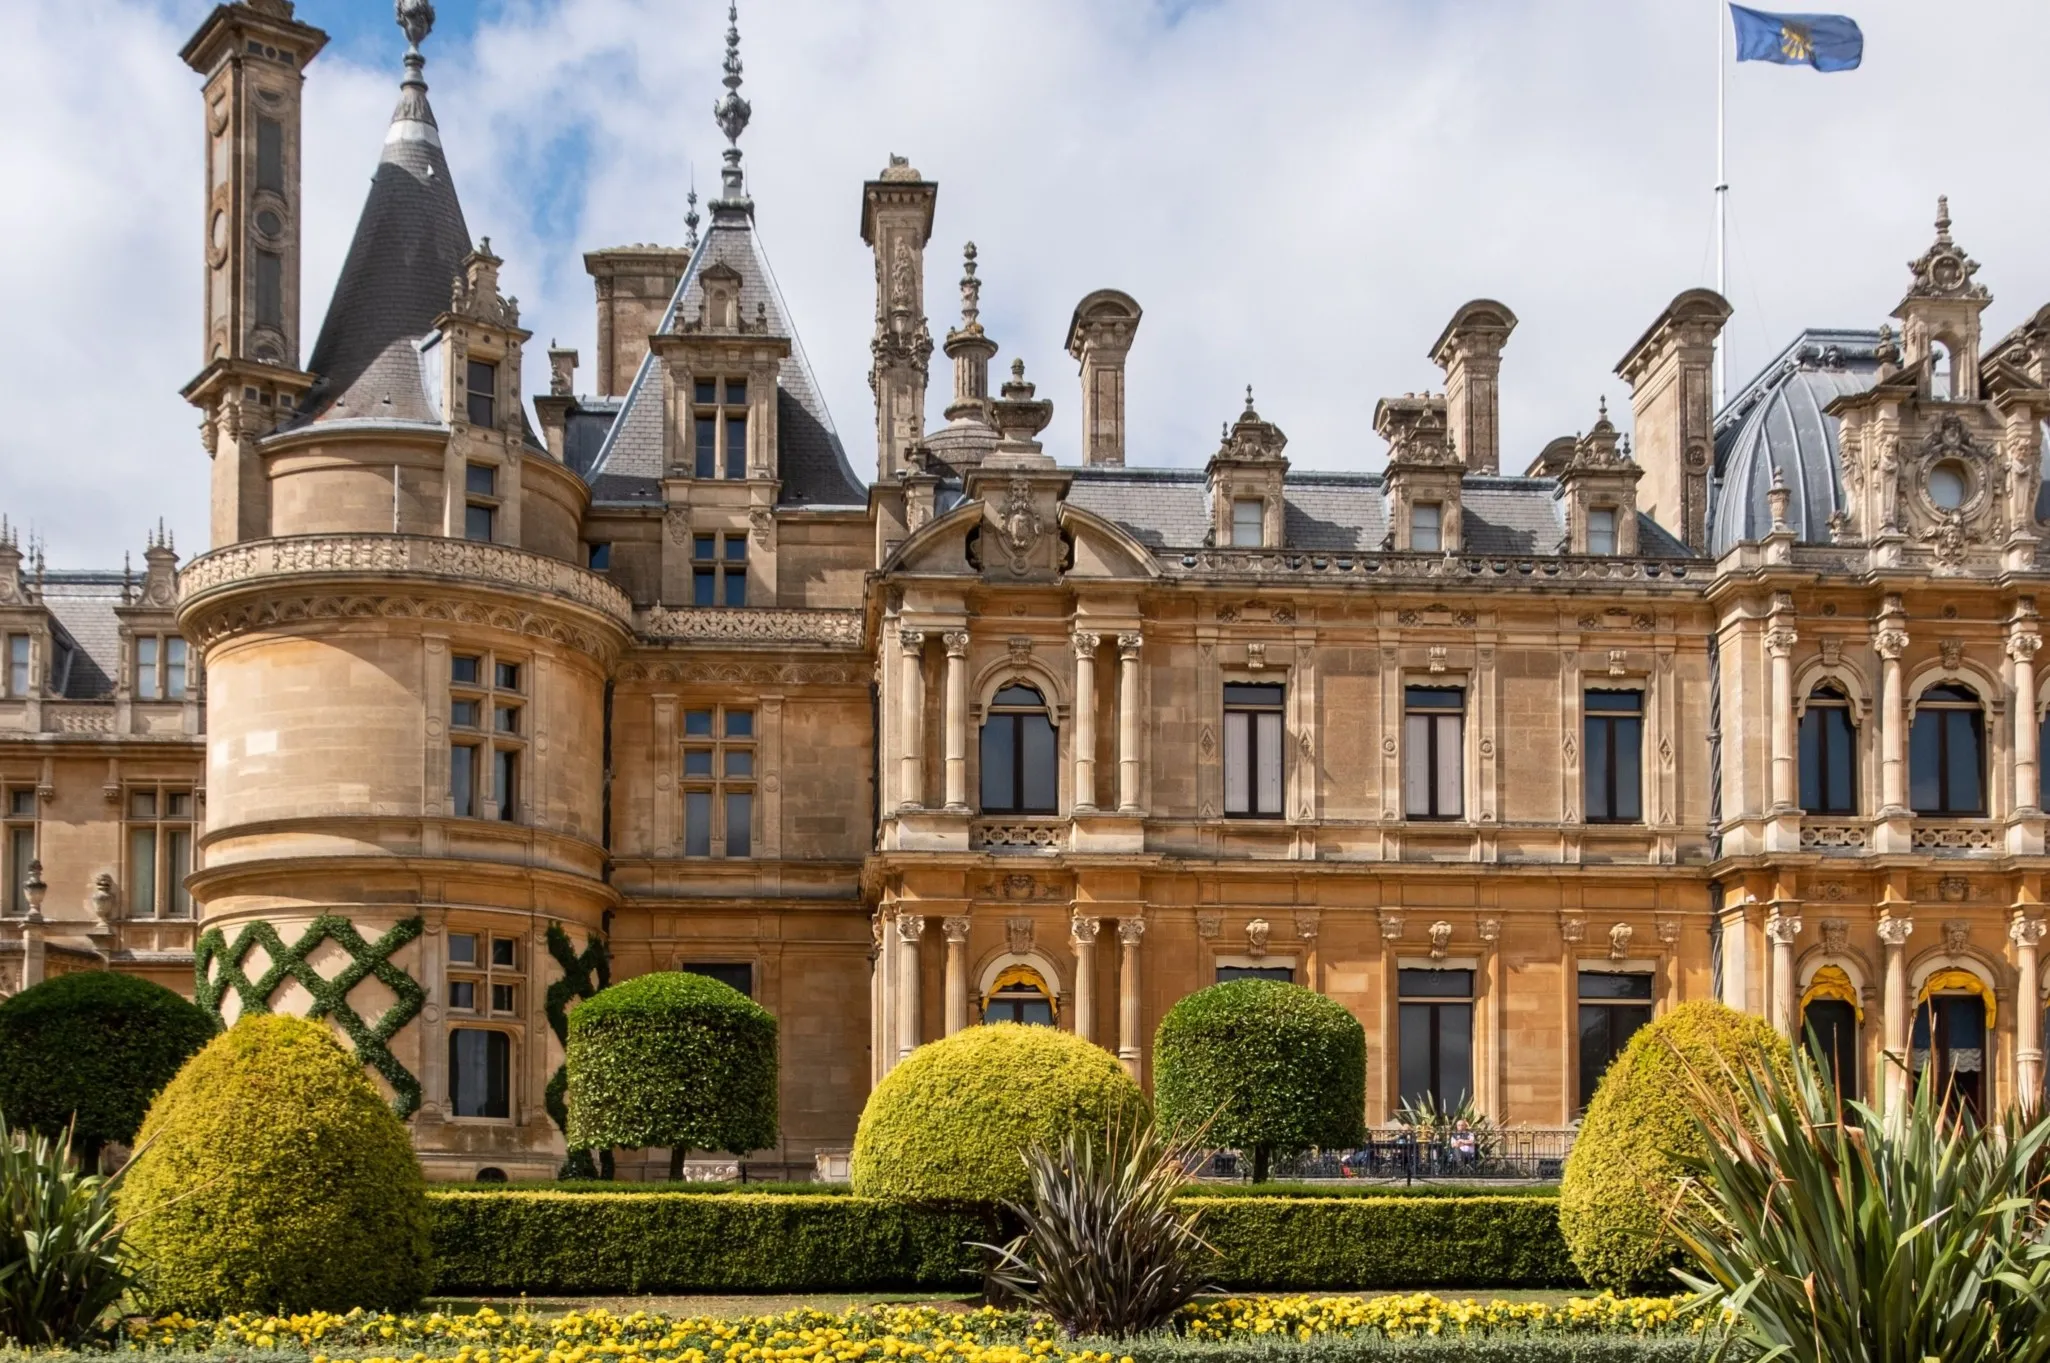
{"type": "Point", "coordinates": [1829, 1018]}
{"type": "Point", "coordinates": [1020, 766]}
{"type": "Point", "coordinates": [1019, 994]}
{"type": "Point", "coordinates": [1947, 752]}
{"type": "Point", "coordinates": [1829, 754]}
{"type": "Point", "coordinates": [1939, 371]}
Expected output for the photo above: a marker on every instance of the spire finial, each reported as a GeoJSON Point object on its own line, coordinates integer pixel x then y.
{"type": "Point", "coordinates": [690, 218]}
{"type": "Point", "coordinates": [1249, 400]}
{"type": "Point", "coordinates": [971, 291]}
{"type": "Point", "coordinates": [416, 21]}
{"type": "Point", "coordinates": [731, 114]}
{"type": "Point", "coordinates": [1943, 219]}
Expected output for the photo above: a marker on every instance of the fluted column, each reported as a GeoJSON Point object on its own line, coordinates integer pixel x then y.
{"type": "Point", "coordinates": [1893, 935]}
{"type": "Point", "coordinates": [1085, 719]}
{"type": "Point", "coordinates": [1082, 932]}
{"type": "Point", "coordinates": [1128, 722]}
{"type": "Point", "coordinates": [957, 720]}
{"type": "Point", "coordinates": [910, 928]}
{"type": "Point", "coordinates": [1781, 928]}
{"type": "Point", "coordinates": [1779, 645]}
{"type": "Point", "coordinates": [1890, 644]}
{"type": "Point", "coordinates": [2022, 648]}
{"type": "Point", "coordinates": [2027, 935]}
{"type": "Point", "coordinates": [956, 930]}
{"type": "Point", "coordinates": [1130, 930]}
{"type": "Point", "coordinates": [911, 784]}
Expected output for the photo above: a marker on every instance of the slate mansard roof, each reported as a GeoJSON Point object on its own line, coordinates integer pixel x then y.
{"type": "Point", "coordinates": [1342, 512]}
{"type": "Point", "coordinates": [627, 465]}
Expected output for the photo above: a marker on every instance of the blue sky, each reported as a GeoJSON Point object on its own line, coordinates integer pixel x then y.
{"type": "Point", "coordinates": [1299, 195]}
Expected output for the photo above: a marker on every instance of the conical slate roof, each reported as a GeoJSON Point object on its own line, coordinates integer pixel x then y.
{"type": "Point", "coordinates": [409, 248]}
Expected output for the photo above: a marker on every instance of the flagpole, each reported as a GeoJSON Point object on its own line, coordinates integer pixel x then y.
{"type": "Point", "coordinates": [1722, 206]}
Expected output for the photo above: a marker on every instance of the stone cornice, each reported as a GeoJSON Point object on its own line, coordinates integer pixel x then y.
{"type": "Point", "coordinates": [770, 628]}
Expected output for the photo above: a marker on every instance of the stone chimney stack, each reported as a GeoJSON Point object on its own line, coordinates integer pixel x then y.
{"type": "Point", "coordinates": [634, 285]}
{"type": "Point", "coordinates": [896, 221]}
{"type": "Point", "coordinates": [1099, 337]}
{"type": "Point", "coordinates": [1469, 350]}
{"type": "Point", "coordinates": [1672, 398]}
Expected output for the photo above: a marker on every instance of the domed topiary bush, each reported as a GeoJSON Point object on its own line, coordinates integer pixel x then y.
{"type": "Point", "coordinates": [94, 1048]}
{"type": "Point", "coordinates": [1269, 1066]}
{"type": "Point", "coordinates": [1625, 1169]}
{"type": "Point", "coordinates": [953, 1121]}
{"type": "Point", "coordinates": [271, 1176]}
{"type": "Point", "coordinates": [672, 1059]}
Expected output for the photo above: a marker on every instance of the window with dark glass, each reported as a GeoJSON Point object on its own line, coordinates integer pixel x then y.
{"type": "Point", "coordinates": [1433, 756]}
{"type": "Point", "coordinates": [1949, 1047]}
{"type": "Point", "coordinates": [718, 574]}
{"type": "Point", "coordinates": [1829, 754]}
{"type": "Point", "coordinates": [1020, 995]}
{"type": "Point", "coordinates": [1228, 973]}
{"type": "Point", "coordinates": [1947, 753]}
{"type": "Point", "coordinates": [719, 428]}
{"type": "Point", "coordinates": [719, 776]}
{"type": "Point", "coordinates": [1601, 530]}
{"type": "Point", "coordinates": [480, 523]}
{"type": "Point", "coordinates": [1613, 724]}
{"type": "Point", "coordinates": [479, 1073]}
{"type": "Point", "coordinates": [598, 557]}
{"type": "Point", "coordinates": [738, 974]}
{"type": "Point", "coordinates": [483, 394]}
{"type": "Point", "coordinates": [1832, 1032]}
{"type": "Point", "coordinates": [1435, 1018]}
{"type": "Point", "coordinates": [1020, 766]}
{"type": "Point", "coordinates": [18, 847]}
{"type": "Point", "coordinates": [486, 737]}
{"type": "Point", "coordinates": [1252, 749]}
{"type": "Point", "coordinates": [159, 852]}
{"type": "Point", "coordinates": [270, 289]}
{"type": "Point", "coordinates": [1612, 1007]}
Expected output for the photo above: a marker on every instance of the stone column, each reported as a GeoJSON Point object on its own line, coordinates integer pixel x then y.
{"type": "Point", "coordinates": [911, 784]}
{"type": "Point", "coordinates": [2027, 934]}
{"type": "Point", "coordinates": [957, 720]}
{"type": "Point", "coordinates": [1890, 644]}
{"type": "Point", "coordinates": [1781, 928]}
{"type": "Point", "coordinates": [1128, 723]}
{"type": "Point", "coordinates": [2022, 648]}
{"type": "Point", "coordinates": [1900, 1018]}
{"type": "Point", "coordinates": [910, 928]}
{"type": "Point", "coordinates": [1082, 932]}
{"type": "Point", "coordinates": [1779, 645]}
{"type": "Point", "coordinates": [1085, 720]}
{"type": "Point", "coordinates": [1130, 930]}
{"type": "Point", "coordinates": [956, 930]}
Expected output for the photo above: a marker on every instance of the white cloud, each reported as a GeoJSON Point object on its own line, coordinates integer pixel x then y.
{"type": "Point", "coordinates": [1299, 195]}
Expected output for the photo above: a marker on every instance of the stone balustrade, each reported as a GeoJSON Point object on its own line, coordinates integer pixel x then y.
{"type": "Point", "coordinates": [1297, 563]}
{"type": "Point", "coordinates": [776, 627]}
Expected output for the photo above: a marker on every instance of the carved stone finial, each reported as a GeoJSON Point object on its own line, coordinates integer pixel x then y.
{"type": "Point", "coordinates": [971, 292]}
{"type": "Point", "coordinates": [691, 220]}
{"type": "Point", "coordinates": [416, 21]}
{"type": "Point", "coordinates": [731, 113]}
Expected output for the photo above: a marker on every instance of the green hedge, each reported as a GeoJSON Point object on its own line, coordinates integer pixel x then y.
{"type": "Point", "coordinates": [1363, 1189]}
{"type": "Point", "coordinates": [509, 1242]}
{"type": "Point", "coordinates": [1332, 1244]}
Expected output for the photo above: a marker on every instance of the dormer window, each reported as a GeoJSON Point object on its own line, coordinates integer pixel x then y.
{"type": "Point", "coordinates": [1601, 530]}
{"type": "Point", "coordinates": [720, 428]}
{"type": "Point", "coordinates": [1427, 527]}
{"type": "Point", "coordinates": [1248, 523]}
{"type": "Point", "coordinates": [483, 394]}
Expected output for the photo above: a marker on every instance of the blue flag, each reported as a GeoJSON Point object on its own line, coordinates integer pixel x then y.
{"type": "Point", "coordinates": [1827, 42]}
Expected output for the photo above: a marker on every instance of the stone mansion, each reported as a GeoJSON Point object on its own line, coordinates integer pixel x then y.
{"type": "Point", "coordinates": [476, 702]}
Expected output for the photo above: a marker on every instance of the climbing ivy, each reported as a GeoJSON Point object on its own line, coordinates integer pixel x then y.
{"type": "Point", "coordinates": [367, 960]}
{"type": "Point", "coordinates": [582, 976]}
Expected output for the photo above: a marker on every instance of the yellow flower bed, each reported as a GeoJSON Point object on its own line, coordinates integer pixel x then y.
{"type": "Point", "coordinates": [901, 1334]}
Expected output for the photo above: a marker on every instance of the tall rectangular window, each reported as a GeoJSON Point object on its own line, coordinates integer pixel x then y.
{"type": "Point", "coordinates": [1601, 530]}
{"type": "Point", "coordinates": [719, 428]}
{"type": "Point", "coordinates": [1248, 523]}
{"type": "Point", "coordinates": [486, 713]}
{"type": "Point", "coordinates": [18, 847]}
{"type": "Point", "coordinates": [159, 852]}
{"type": "Point", "coordinates": [1828, 754]}
{"type": "Point", "coordinates": [1614, 776]}
{"type": "Point", "coordinates": [718, 571]}
{"type": "Point", "coordinates": [1426, 527]}
{"type": "Point", "coordinates": [270, 154]}
{"type": "Point", "coordinates": [174, 669]}
{"type": "Point", "coordinates": [146, 667]}
{"type": "Point", "coordinates": [17, 665]}
{"type": "Point", "coordinates": [1435, 1016]}
{"type": "Point", "coordinates": [1612, 1008]}
{"type": "Point", "coordinates": [1252, 749]}
{"type": "Point", "coordinates": [270, 289]}
{"type": "Point", "coordinates": [719, 775]}
{"type": "Point", "coordinates": [1433, 752]}
{"type": "Point", "coordinates": [479, 1072]}
{"type": "Point", "coordinates": [483, 394]}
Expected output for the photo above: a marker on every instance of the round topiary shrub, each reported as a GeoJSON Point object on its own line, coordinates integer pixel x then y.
{"type": "Point", "coordinates": [94, 1048]}
{"type": "Point", "coordinates": [1271, 1067]}
{"type": "Point", "coordinates": [953, 1121]}
{"type": "Point", "coordinates": [271, 1176]}
{"type": "Point", "coordinates": [1624, 1172]}
{"type": "Point", "coordinates": [672, 1059]}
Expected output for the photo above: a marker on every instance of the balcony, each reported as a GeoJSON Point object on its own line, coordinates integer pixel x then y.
{"type": "Point", "coordinates": [1836, 836]}
{"type": "Point", "coordinates": [1957, 837]}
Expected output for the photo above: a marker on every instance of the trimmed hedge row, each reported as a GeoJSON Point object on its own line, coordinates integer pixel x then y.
{"type": "Point", "coordinates": [510, 1242]}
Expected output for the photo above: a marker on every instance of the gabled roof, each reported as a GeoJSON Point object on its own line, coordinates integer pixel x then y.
{"type": "Point", "coordinates": [408, 250]}
{"type": "Point", "coordinates": [810, 460]}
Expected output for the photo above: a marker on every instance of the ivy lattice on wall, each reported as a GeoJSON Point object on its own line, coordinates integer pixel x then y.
{"type": "Point", "coordinates": [367, 960]}
{"type": "Point", "coordinates": [582, 976]}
